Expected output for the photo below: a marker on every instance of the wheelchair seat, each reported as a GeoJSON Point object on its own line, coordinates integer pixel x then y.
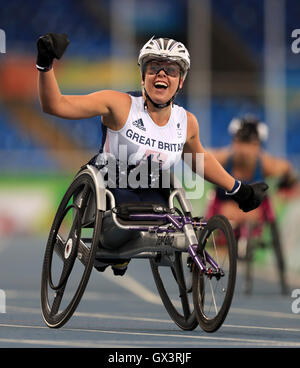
{"type": "Point", "coordinates": [132, 213]}
{"type": "Point", "coordinates": [113, 237]}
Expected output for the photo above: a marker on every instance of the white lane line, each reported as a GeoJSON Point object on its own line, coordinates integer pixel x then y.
{"type": "Point", "coordinates": [282, 329]}
{"type": "Point", "coordinates": [264, 313]}
{"type": "Point", "coordinates": [63, 343]}
{"type": "Point", "coordinates": [258, 342]}
{"type": "Point", "coordinates": [146, 319]}
{"type": "Point", "coordinates": [93, 315]}
{"type": "Point", "coordinates": [136, 288]}
{"type": "Point", "coordinates": [33, 294]}
{"type": "Point", "coordinates": [113, 344]}
{"type": "Point", "coordinates": [147, 295]}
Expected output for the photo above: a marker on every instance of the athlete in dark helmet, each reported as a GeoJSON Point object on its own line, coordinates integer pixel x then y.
{"type": "Point", "coordinates": [248, 128]}
{"type": "Point", "coordinates": [247, 160]}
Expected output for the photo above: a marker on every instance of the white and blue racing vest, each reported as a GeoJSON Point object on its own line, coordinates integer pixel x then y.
{"type": "Point", "coordinates": [140, 138]}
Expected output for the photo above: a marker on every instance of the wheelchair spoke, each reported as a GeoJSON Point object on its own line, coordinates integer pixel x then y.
{"type": "Point", "coordinates": [215, 249]}
{"type": "Point", "coordinates": [178, 270]}
{"type": "Point", "coordinates": [84, 196]}
{"type": "Point", "coordinates": [59, 246]}
{"type": "Point", "coordinates": [57, 301]}
{"type": "Point", "coordinates": [83, 252]}
{"type": "Point", "coordinates": [212, 290]}
{"type": "Point", "coordinates": [67, 253]}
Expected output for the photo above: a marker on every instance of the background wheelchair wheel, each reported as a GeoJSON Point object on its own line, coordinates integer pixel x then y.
{"type": "Point", "coordinates": [277, 245]}
{"type": "Point", "coordinates": [212, 296]}
{"type": "Point", "coordinates": [70, 252]}
{"type": "Point", "coordinates": [173, 279]}
{"type": "Point", "coordinates": [250, 251]}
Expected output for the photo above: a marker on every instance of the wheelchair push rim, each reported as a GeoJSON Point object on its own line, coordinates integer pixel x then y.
{"type": "Point", "coordinates": [70, 251]}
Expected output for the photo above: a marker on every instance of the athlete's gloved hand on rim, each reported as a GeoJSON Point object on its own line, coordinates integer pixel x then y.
{"type": "Point", "coordinates": [50, 46]}
{"type": "Point", "coordinates": [248, 196]}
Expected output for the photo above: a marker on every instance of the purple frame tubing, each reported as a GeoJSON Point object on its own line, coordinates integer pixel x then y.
{"type": "Point", "coordinates": [176, 221]}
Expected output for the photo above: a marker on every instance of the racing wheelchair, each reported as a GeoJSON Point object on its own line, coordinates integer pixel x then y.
{"type": "Point", "coordinates": [251, 237]}
{"type": "Point", "coordinates": [202, 272]}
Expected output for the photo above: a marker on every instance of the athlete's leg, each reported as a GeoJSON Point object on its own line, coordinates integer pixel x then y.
{"type": "Point", "coordinates": [153, 196]}
{"type": "Point", "coordinates": [113, 237]}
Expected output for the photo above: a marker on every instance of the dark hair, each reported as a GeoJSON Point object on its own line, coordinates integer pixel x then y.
{"type": "Point", "coordinates": [248, 129]}
{"type": "Point", "coordinates": [247, 133]}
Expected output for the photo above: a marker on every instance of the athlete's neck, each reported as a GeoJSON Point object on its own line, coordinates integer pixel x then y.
{"type": "Point", "coordinates": [159, 116]}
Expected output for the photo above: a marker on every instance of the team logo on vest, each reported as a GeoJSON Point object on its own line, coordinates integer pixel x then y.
{"type": "Point", "coordinates": [179, 131]}
{"type": "Point", "coordinates": [139, 124]}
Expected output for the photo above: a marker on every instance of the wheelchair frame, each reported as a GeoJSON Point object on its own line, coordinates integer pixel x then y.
{"type": "Point", "coordinates": [251, 233]}
{"type": "Point", "coordinates": [163, 244]}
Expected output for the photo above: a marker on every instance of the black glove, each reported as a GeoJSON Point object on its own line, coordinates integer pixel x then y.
{"type": "Point", "coordinates": [50, 46]}
{"type": "Point", "coordinates": [250, 196]}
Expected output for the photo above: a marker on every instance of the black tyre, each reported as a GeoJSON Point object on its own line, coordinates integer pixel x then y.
{"type": "Point", "coordinates": [212, 294]}
{"type": "Point", "coordinates": [276, 242]}
{"type": "Point", "coordinates": [70, 252]}
{"type": "Point", "coordinates": [253, 245]}
{"type": "Point", "coordinates": [173, 280]}
{"type": "Point", "coordinates": [250, 252]}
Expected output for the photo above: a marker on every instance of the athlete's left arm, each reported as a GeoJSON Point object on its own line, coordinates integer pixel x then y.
{"type": "Point", "coordinates": [280, 168]}
{"type": "Point", "coordinates": [213, 170]}
{"type": "Point", "coordinates": [274, 166]}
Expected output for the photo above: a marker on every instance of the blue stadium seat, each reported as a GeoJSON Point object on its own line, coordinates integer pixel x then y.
{"type": "Point", "coordinates": [18, 152]}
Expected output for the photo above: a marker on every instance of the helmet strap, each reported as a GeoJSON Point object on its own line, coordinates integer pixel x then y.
{"type": "Point", "coordinates": [160, 106]}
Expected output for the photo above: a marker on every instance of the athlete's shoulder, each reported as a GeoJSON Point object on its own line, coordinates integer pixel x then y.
{"type": "Point", "coordinates": [118, 104]}
{"type": "Point", "coordinates": [192, 125]}
{"type": "Point", "coordinates": [111, 98]}
{"type": "Point", "coordinates": [191, 118]}
{"type": "Point", "coordinates": [135, 93]}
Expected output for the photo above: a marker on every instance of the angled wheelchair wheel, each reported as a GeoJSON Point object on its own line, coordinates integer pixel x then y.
{"type": "Point", "coordinates": [173, 279]}
{"type": "Point", "coordinates": [213, 292]}
{"type": "Point", "coordinates": [277, 245]}
{"type": "Point", "coordinates": [250, 251]}
{"type": "Point", "coordinates": [70, 251]}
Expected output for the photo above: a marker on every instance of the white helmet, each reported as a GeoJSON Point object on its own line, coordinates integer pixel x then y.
{"type": "Point", "coordinates": [165, 48]}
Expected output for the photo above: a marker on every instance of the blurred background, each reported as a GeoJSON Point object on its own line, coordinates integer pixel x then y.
{"type": "Point", "coordinates": [242, 61]}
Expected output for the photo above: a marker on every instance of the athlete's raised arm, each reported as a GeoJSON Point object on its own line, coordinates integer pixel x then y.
{"type": "Point", "coordinates": [107, 103]}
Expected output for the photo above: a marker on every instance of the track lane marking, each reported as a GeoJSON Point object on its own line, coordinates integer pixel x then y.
{"type": "Point", "coordinates": [145, 319]}
{"type": "Point", "coordinates": [147, 295]}
{"type": "Point", "coordinates": [168, 335]}
{"type": "Point", "coordinates": [62, 343]}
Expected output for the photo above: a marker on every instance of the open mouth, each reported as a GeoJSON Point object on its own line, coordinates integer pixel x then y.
{"type": "Point", "coordinates": [160, 85]}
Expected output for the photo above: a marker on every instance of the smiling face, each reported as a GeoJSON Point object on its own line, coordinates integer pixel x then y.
{"type": "Point", "coordinates": [162, 79]}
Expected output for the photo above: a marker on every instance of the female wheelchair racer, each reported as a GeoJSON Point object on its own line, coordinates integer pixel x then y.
{"type": "Point", "coordinates": [151, 117]}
